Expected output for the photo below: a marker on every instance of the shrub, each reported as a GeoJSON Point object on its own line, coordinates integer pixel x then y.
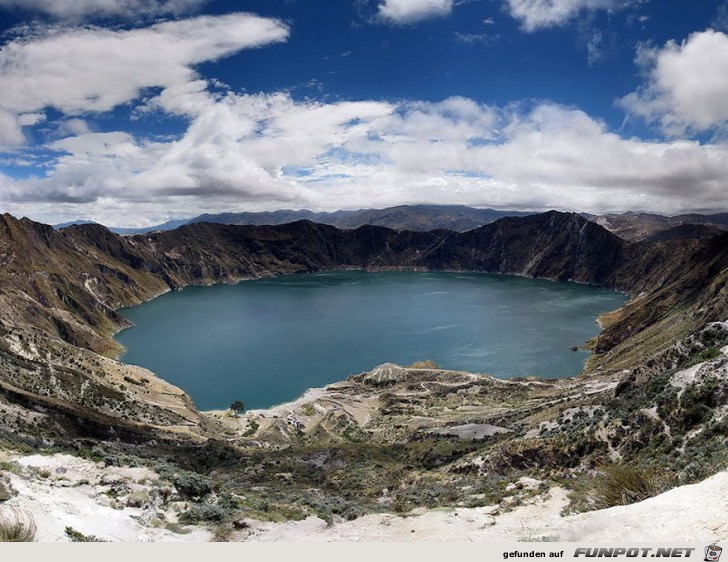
{"type": "Point", "coordinates": [77, 536]}
{"type": "Point", "coordinates": [190, 485]}
{"type": "Point", "coordinates": [622, 485]}
{"type": "Point", "coordinates": [16, 526]}
{"type": "Point", "coordinates": [204, 512]}
{"type": "Point", "coordinates": [253, 426]}
{"type": "Point", "coordinates": [707, 354]}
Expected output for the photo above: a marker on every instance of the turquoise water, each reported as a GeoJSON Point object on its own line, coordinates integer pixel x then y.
{"type": "Point", "coordinates": [266, 341]}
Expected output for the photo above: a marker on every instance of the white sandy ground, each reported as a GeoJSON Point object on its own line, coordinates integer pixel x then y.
{"type": "Point", "coordinates": [689, 513]}
{"type": "Point", "coordinates": [61, 490]}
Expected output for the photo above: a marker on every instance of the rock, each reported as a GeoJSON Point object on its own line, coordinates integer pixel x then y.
{"type": "Point", "coordinates": [137, 499]}
{"type": "Point", "coordinates": [110, 479]}
{"type": "Point", "coordinates": [6, 491]}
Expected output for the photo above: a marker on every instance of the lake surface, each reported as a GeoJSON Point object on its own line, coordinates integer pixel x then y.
{"type": "Point", "coordinates": [266, 341]}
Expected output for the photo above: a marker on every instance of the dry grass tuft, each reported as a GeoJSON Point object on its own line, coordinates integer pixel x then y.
{"type": "Point", "coordinates": [16, 526]}
{"type": "Point", "coordinates": [618, 484]}
{"type": "Point", "coordinates": [621, 484]}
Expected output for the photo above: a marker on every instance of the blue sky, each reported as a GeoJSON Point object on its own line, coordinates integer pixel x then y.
{"type": "Point", "coordinates": [131, 112]}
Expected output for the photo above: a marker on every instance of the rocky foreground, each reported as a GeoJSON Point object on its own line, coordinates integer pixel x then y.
{"type": "Point", "coordinates": [70, 498]}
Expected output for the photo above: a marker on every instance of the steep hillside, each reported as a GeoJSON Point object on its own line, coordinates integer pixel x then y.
{"type": "Point", "coordinates": [687, 232]}
{"type": "Point", "coordinates": [678, 288]}
{"type": "Point", "coordinates": [69, 283]}
{"type": "Point", "coordinates": [551, 245]}
{"type": "Point", "coordinates": [58, 295]}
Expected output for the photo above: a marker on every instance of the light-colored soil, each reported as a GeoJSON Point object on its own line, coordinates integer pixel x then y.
{"type": "Point", "coordinates": [688, 513]}
{"type": "Point", "coordinates": [61, 491]}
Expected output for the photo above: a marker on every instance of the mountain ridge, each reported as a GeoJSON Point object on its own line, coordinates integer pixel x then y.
{"type": "Point", "coordinates": [70, 282]}
{"type": "Point", "coordinates": [632, 226]}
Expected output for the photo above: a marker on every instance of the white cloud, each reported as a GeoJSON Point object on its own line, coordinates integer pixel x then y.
{"type": "Point", "coordinates": [81, 9]}
{"type": "Point", "coordinates": [97, 144]}
{"type": "Point", "coordinates": [268, 151]}
{"type": "Point", "coordinates": [410, 11]}
{"type": "Point", "coordinates": [538, 14]}
{"type": "Point", "coordinates": [72, 126]}
{"type": "Point", "coordinates": [11, 133]}
{"type": "Point", "coordinates": [555, 146]}
{"type": "Point", "coordinates": [29, 119]}
{"type": "Point", "coordinates": [93, 69]}
{"type": "Point", "coordinates": [686, 87]}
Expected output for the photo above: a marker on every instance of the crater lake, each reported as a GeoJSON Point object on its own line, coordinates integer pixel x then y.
{"type": "Point", "coordinates": [266, 341]}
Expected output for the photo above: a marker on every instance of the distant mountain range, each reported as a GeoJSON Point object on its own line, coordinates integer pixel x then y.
{"type": "Point", "coordinates": [418, 218]}
{"type": "Point", "coordinates": [169, 225]}
{"type": "Point", "coordinates": [637, 227]}
{"type": "Point", "coordinates": [634, 227]}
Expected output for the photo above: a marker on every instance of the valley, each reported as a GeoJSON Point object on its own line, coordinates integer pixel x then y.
{"type": "Point", "coordinates": [393, 439]}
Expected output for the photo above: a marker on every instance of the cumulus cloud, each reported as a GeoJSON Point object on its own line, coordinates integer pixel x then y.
{"type": "Point", "coordinates": [685, 87]}
{"type": "Point", "coordinates": [268, 151]}
{"type": "Point", "coordinates": [93, 69]}
{"type": "Point", "coordinates": [539, 14]}
{"type": "Point", "coordinates": [81, 9]}
{"type": "Point", "coordinates": [567, 147]}
{"type": "Point", "coordinates": [410, 11]}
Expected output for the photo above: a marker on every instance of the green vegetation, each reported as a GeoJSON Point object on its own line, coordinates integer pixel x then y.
{"type": "Point", "coordinates": [253, 426]}
{"type": "Point", "coordinates": [177, 529]}
{"type": "Point", "coordinates": [76, 536]}
{"type": "Point", "coordinates": [308, 410]}
{"type": "Point", "coordinates": [205, 513]}
{"type": "Point", "coordinates": [237, 407]}
{"type": "Point", "coordinates": [707, 354]}
{"type": "Point", "coordinates": [190, 485]}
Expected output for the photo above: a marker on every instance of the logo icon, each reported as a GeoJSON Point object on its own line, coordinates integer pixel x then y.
{"type": "Point", "coordinates": [713, 552]}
